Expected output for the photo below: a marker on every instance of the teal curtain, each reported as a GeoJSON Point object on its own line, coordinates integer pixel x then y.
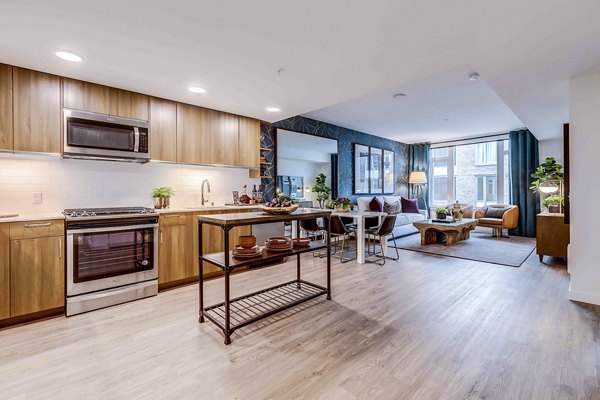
{"type": "Point", "coordinates": [418, 160]}
{"type": "Point", "coordinates": [524, 159]}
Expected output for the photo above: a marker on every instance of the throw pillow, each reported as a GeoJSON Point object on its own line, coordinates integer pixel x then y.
{"type": "Point", "coordinates": [409, 205]}
{"type": "Point", "coordinates": [493, 212]}
{"type": "Point", "coordinates": [375, 205]}
{"type": "Point", "coordinates": [392, 208]}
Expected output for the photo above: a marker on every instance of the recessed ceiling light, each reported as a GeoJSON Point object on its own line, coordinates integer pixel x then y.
{"type": "Point", "coordinates": [196, 89]}
{"type": "Point", "coordinates": [273, 109]}
{"type": "Point", "coordinates": [474, 76]}
{"type": "Point", "coordinates": [65, 55]}
{"type": "Point", "coordinates": [399, 95]}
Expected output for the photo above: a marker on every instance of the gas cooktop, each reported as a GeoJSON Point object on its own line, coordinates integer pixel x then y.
{"type": "Point", "coordinates": [117, 212]}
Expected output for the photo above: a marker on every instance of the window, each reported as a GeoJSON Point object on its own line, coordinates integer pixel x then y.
{"type": "Point", "coordinates": [475, 173]}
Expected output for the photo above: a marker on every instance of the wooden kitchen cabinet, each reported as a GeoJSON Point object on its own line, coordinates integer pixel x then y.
{"type": "Point", "coordinates": [163, 130]}
{"type": "Point", "coordinates": [193, 134]}
{"type": "Point", "coordinates": [85, 96]}
{"type": "Point", "coordinates": [6, 108]}
{"type": "Point", "coordinates": [36, 111]}
{"type": "Point", "coordinates": [123, 103]}
{"type": "Point", "coordinates": [249, 143]}
{"type": "Point", "coordinates": [224, 136]}
{"type": "Point", "coordinates": [36, 275]}
{"type": "Point", "coordinates": [174, 254]}
{"type": "Point", "coordinates": [4, 272]}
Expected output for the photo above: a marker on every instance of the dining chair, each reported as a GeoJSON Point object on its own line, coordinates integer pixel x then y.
{"type": "Point", "coordinates": [381, 232]}
{"type": "Point", "coordinates": [339, 230]}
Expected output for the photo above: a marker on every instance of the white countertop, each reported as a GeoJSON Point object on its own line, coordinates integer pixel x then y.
{"type": "Point", "coordinates": [33, 217]}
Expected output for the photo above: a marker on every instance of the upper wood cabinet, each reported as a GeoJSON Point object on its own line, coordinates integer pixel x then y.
{"type": "Point", "coordinates": [123, 103]}
{"type": "Point", "coordinates": [4, 272]}
{"type": "Point", "coordinates": [36, 273]}
{"type": "Point", "coordinates": [85, 96]}
{"type": "Point", "coordinates": [6, 108]}
{"type": "Point", "coordinates": [224, 136]}
{"type": "Point", "coordinates": [37, 113]}
{"type": "Point", "coordinates": [193, 134]}
{"type": "Point", "coordinates": [163, 130]}
{"type": "Point", "coordinates": [249, 143]}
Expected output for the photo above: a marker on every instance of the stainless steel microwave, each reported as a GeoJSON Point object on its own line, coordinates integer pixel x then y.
{"type": "Point", "coordinates": [105, 137]}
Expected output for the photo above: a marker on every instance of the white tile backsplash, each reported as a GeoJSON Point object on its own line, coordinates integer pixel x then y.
{"type": "Point", "coordinates": [83, 183]}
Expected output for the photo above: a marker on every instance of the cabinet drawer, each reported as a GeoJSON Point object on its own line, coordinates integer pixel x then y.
{"type": "Point", "coordinates": [172, 219]}
{"type": "Point", "coordinates": [36, 229]}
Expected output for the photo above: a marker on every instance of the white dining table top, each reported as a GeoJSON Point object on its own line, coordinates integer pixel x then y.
{"type": "Point", "coordinates": [357, 214]}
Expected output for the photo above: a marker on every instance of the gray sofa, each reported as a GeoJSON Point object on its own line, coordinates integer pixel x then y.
{"type": "Point", "coordinates": [404, 221]}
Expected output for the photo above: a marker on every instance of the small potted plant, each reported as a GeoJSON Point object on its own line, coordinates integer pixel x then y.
{"type": "Point", "coordinates": [342, 204]}
{"type": "Point", "coordinates": [553, 203]}
{"type": "Point", "coordinates": [162, 196]}
{"type": "Point", "coordinates": [441, 213]}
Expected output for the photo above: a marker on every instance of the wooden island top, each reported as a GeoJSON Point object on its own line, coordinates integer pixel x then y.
{"type": "Point", "coordinates": [261, 217]}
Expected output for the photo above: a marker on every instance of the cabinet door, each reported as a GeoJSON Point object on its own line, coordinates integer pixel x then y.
{"type": "Point", "coordinates": [224, 132]}
{"type": "Point", "coordinates": [85, 96]}
{"type": "Point", "coordinates": [36, 102]}
{"type": "Point", "coordinates": [172, 252]}
{"type": "Point", "coordinates": [4, 272]}
{"type": "Point", "coordinates": [6, 108]}
{"type": "Point", "coordinates": [249, 143]}
{"type": "Point", "coordinates": [193, 134]}
{"type": "Point", "coordinates": [123, 103]}
{"type": "Point", "coordinates": [212, 242]}
{"type": "Point", "coordinates": [163, 130]}
{"type": "Point", "coordinates": [36, 275]}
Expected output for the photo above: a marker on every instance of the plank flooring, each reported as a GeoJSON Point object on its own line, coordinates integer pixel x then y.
{"type": "Point", "coordinates": [424, 327]}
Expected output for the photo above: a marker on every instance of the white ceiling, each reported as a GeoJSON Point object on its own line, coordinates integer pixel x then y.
{"type": "Point", "coordinates": [331, 51]}
{"type": "Point", "coordinates": [440, 107]}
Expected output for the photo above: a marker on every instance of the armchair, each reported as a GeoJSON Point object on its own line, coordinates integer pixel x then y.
{"type": "Point", "coordinates": [498, 217]}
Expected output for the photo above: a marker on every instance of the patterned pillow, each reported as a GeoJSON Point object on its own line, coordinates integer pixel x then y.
{"type": "Point", "coordinates": [392, 208]}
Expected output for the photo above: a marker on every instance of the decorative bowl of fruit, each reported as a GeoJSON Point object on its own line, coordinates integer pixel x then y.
{"type": "Point", "coordinates": [280, 204]}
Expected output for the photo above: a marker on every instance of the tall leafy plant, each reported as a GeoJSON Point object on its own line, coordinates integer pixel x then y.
{"type": "Point", "coordinates": [549, 170]}
{"type": "Point", "coordinates": [321, 189]}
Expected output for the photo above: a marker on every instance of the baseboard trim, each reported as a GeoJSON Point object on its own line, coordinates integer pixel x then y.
{"type": "Point", "coordinates": [584, 297]}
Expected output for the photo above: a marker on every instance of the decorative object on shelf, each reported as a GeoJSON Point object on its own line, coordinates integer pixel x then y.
{"type": "Point", "coordinates": [554, 203]}
{"type": "Point", "coordinates": [244, 198]}
{"type": "Point", "coordinates": [441, 213]}
{"type": "Point", "coordinates": [281, 204]}
{"type": "Point", "coordinates": [279, 244]}
{"type": "Point", "coordinates": [301, 242]}
{"type": "Point", "coordinates": [419, 180]}
{"type": "Point", "coordinates": [341, 204]}
{"type": "Point", "coordinates": [457, 211]}
{"type": "Point", "coordinates": [243, 252]}
{"type": "Point", "coordinates": [162, 196]}
{"type": "Point", "coordinates": [321, 189]}
{"type": "Point", "coordinates": [236, 197]}
{"type": "Point", "coordinates": [247, 241]}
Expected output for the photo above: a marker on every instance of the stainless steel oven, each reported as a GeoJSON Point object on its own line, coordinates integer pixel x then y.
{"type": "Point", "coordinates": [104, 137]}
{"type": "Point", "coordinates": [111, 259]}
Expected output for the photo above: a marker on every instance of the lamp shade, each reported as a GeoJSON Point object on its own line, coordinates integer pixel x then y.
{"type": "Point", "coordinates": [417, 177]}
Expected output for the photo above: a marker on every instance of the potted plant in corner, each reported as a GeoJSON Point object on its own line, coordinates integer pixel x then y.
{"type": "Point", "coordinates": [162, 196]}
{"type": "Point", "coordinates": [441, 213]}
{"type": "Point", "coordinates": [553, 203]}
{"type": "Point", "coordinates": [321, 189]}
{"type": "Point", "coordinates": [548, 181]}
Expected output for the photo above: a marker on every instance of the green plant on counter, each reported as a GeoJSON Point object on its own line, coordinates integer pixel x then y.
{"type": "Point", "coordinates": [441, 210]}
{"type": "Point", "coordinates": [163, 192]}
{"type": "Point", "coordinates": [321, 189]}
{"type": "Point", "coordinates": [553, 200]}
{"type": "Point", "coordinates": [549, 170]}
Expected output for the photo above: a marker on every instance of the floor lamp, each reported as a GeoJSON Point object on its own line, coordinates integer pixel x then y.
{"type": "Point", "coordinates": [419, 178]}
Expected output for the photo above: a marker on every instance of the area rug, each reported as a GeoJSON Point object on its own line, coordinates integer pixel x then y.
{"type": "Point", "coordinates": [511, 251]}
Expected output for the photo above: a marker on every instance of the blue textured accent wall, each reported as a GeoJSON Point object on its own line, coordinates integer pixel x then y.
{"type": "Point", "coordinates": [346, 138]}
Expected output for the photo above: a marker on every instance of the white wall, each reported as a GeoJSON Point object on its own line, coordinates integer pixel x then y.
{"type": "Point", "coordinates": [83, 183]}
{"type": "Point", "coordinates": [584, 132]}
{"type": "Point", "coordinates": [551, 148]}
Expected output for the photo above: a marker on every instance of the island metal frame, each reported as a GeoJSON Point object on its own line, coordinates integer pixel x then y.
{"type": "Point", "coordinates": [233, 314]}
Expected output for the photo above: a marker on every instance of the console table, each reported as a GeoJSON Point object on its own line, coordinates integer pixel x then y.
{"type": "Point", "coordinates": [552, 237]}
{"type": "Point", "coordinates": [236, 313]}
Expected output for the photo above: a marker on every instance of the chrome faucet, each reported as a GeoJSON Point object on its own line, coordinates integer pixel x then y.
{"type": "Point", "coordinates": [208, 187]}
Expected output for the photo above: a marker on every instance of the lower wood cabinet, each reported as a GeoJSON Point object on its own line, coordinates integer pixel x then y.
{"type": "Point", "coordinates": [37, 280]}
{"type": "Point", "coordinates": [4, 272]}
{"type": "Point", "coordinates": [552, 237]}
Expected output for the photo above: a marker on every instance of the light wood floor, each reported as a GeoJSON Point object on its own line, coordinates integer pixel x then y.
{"type": "Point", "coordinates": [425, 327]}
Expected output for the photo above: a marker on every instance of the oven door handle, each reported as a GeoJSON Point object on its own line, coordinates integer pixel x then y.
{"type": "Point", "coordinates": [111, 229]}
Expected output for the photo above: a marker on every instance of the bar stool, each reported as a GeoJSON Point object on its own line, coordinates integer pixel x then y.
{"type": "Point", "coordinates": [381, 232]}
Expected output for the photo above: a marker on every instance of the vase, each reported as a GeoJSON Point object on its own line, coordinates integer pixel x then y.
{"type": "Point", "coordinates": [441, 215]}
{"type": "Point", "coordinates": [457, 212]}
{"type": "Point", "coordinates": [157, 203]}
{"type": "Point", "coordinates": [342, 208]}
{"type": "Point", "coordinates": [554, 208]}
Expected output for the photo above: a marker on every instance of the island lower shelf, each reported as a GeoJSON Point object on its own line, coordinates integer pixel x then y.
{"type": "Point", "coordinates": [252, 307]}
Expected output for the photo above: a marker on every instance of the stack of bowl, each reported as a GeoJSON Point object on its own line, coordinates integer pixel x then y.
{"type": "Point", "coordinates": [247, 247]}
{"type": "Point", "coordinates": [279, 244]}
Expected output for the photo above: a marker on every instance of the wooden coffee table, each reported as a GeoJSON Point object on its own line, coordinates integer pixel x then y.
{"type": "Point", "coordinates": [452, 232]}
